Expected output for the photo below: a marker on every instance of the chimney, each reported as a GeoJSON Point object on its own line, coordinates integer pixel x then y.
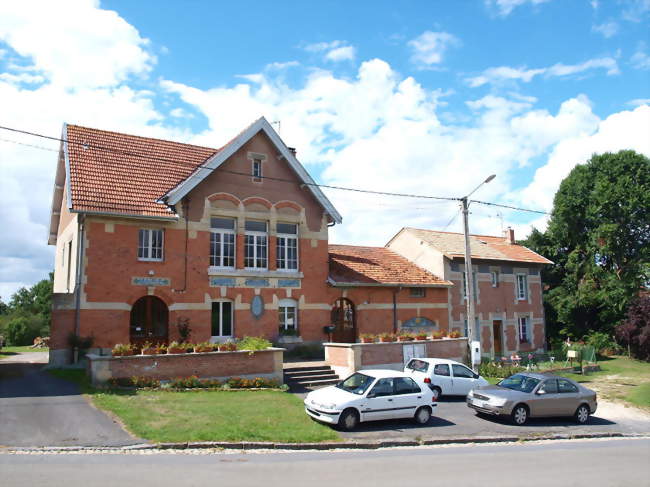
{"type": "Point", "coordinates": [509, 235]}
{"type": "Point", "coordinates": [292, 150]}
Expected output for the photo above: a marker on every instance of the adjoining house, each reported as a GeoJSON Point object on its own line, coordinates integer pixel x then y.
{"type": "Point", "coordinates": [150, 234]}
{"type": "Point", "coordinates": [508, 286]}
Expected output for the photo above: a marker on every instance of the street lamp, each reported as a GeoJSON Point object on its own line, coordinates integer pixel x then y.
{"type": "Point", "coordinates": [469, 274]}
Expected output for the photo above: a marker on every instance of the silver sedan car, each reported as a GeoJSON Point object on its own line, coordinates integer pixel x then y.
{"type": "Point", "coordinates": [529, 395]}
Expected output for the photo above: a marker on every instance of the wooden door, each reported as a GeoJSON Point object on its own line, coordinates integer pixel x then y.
{"type": "Point", "coordinates": [344, 318]}
{"type": "Point", "coordinates": [497, 333]}
{"type": "Point", "coordinates": [149, 321]}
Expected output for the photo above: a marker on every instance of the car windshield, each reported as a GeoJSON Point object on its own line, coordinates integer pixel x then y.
{"type": "Point", "coordinates": [519, 382]}
{"type": "Point", "coordinates": [418, 365]}
{"type": "Point", "coordinates": [356, 383]}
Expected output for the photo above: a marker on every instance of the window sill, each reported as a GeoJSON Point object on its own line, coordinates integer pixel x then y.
{"type": "Point", "coordinates": [216, 271]}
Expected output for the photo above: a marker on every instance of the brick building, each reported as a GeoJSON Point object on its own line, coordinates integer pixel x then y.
{"type": "Point", "coordinates": [508, 286]}
{"type": "Point", "coordinates": [233, 240]}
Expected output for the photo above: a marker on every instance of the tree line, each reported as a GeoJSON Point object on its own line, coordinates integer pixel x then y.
{"type": "Point", "coordinates": [27, 314]}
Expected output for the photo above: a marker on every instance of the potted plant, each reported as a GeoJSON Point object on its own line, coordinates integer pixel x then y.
{"type": "Point", "coordinates": [404, 336]}
{"type": "Point", "coordinates": [454, 334]}
{"type": "Point", "coordinates": [175, 348]}
{"type": "Point", "coordinates": [227, 347]}
{"type": "Point", "coordinates": [367, 338]}
{"type": "Point", "coordinates": [421, 336]}
{"type": "Point", "coordinates": [437, 335]}
{"type": "Point", "coordinates": [121, 350]}
{"type": "Point", "coordinates": [203, 347]}
{"type": "Point", "coordinates": [148, 349]}
{"type": "Point", "coordinates": [189, 347]}
{"type": "Point", "coordinates": [161, 348]}
{"type": "Point", "coordinates": [386, 337]}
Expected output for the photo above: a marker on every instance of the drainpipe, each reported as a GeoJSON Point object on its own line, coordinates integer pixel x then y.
{"type": "Point", "coordinates": [395, 291]}
{"type": "Point", "coordinates": [187, 237]}
{"type": "Point", "coordinates": [78, 283]}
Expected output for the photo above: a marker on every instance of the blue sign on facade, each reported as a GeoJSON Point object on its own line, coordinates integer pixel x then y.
{"type": "Point", "coordinates": [257, 282]}
{"type": "Point", "coordinates": [288, 282]}
{"type": "Point", "coordinates": [222, 281]}
{"type": "Point", "coordinates": [150, 281]}
{"type": "Point", "coordinates": [257, 306]}
{"type": "Point", "coordinates": [418, 322]}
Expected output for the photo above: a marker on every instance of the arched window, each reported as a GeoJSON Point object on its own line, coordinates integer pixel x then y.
{"type": "Point", "coordinates": [149, 320]}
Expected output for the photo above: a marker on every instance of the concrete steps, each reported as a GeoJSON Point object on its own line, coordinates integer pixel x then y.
{"type": "Point", "coordinates": [300, 377]}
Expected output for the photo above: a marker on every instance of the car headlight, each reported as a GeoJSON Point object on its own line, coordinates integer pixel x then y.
{"type": "Point", "coordinates": [498, 401]}
{"type": "Point", "coordinates": [470, 393]}
{"type": "Point", "coordinates": [329, 406]}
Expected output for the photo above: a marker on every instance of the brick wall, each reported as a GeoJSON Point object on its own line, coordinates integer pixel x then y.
{"type": "Point", "coordinates": [219, 365]}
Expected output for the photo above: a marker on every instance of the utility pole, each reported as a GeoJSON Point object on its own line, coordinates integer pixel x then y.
{"type": "Point", "coordinates": [469, 274]}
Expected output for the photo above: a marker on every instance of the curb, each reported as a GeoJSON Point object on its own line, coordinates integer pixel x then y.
{"type": "Point", "coordinates": [359, 445]}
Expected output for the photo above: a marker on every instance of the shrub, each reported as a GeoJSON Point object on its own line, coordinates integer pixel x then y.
{"type": "Point", "coordinates": [316, 352]}
{"type": "Point", "coordinates": [600, 341]}
{"type": "Point", "coordinates": [634, 331]}
{"type": "Point", "coordinates": [121, 350]}
{"type": "Point", "coordinates": [253, 343]}
{"type": "Point", "coordinates": [21, 330]}
{"type": "Point", "coordinates": [184, 330]}
{"type": "Point", "coordinates": [496, 369]}
{"type": "Point", "coordinates": [192, 382]}
{"type": "Point", "coordinates": [141, 382]}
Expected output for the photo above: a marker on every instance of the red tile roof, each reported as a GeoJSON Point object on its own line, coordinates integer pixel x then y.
{"type": "Point", "coordinates": [482, 246]}
{"type": "Point", "coordinates": [125, 174]}
{"type": "Point", "coordinates": [376, 266]}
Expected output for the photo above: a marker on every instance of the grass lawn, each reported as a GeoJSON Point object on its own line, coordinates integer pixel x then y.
{"type": "Point", "coordinates": [8, 351]}
{"type": "Point", "coordinates": [165, 416]}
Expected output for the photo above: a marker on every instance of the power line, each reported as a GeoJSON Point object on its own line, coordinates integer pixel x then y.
{"type": "Point", "coordinates": [203, 166]}
{"type": "Point", "coordinates": [452, 219]}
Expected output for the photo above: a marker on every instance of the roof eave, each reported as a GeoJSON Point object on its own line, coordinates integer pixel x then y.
{"type": "Point", "coordinates": [136, 216]}
{"type": "Point", "coordinates": [334, 283]}
{"type": "Point", "coordinates": [62, 171]}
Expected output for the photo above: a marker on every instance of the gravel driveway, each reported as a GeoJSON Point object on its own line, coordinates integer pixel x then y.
{"type": "Point", "coordinates": [37, 409]}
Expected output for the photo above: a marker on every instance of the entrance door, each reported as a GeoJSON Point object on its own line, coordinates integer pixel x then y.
{"type": "Point", "coordinates": [497, 333]}
{"type": "Point", "coordinates": [344, 318]}
{"type": "Point", "coordinates": [149, 321]}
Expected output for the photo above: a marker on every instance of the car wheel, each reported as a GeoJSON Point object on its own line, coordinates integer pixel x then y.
{"type": "Point", "coordinates": [422, 415]}
{"type": "Point", "coordinates": [582, 414]}
{"type": "Point", "coordinates": [437, 392]}
{"type": "Point", "coordinates": [349, 420]}
{"type": "Point", "coordinates": [520, 415]}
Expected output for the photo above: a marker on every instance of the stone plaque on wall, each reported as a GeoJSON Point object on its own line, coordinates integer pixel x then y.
{"type": "Point", "coordinates": [257, 306]}
{"type": "Point", "coordinates": [222, 281]}
{"type": "Point", "coordinates": [150, 281]}
{"type": "Point", "coordinates": [418, 322]}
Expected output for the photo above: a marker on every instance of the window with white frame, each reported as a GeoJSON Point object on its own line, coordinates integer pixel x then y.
{"type": "Point", "coordinates": [257, 170]}
{"type": "Point", "coordinates": [288, 317]}
{"type": "Point", "coordinates": [222, 242]}
{"type": "Point", "coordinates": [287, 246]}
{"type": "Point", "coordinates": [522, 286]}
{"type": "Point", "coordinates": [255, 245]}
{"type": "Point", "coordinates": [416, 292]}
{"type": "Point", "coordinates": [222, 321]}
{"type": "Point", "coordinates": [523, 329]}
{"type": "Point", "coordinates": [495, 278]}
{"type": "Point", "coordinates": [150, 244]}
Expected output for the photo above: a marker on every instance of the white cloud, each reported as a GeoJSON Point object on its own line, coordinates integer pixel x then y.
{"type": "Point", "coordinates": [333, 51]}
{"type": "Point", "coordinates": [429, 47]}
{"type": "Point", "coordinates": [506, 73]}
{"type": "Point", "coordinates": [640, 59]}
{"type": "Point", "coordinates": [345, 53]}
{"type": "Point", "coordinates": [637, 102]}
{"type": "Point", "coordinates": [505, 7]}
{"type": "Point", "coordinates": [606, 29]}
{"type": "Point", "coordinates": [636, 10]}
{"type": "Point", "coordinates": [74, 43]}
{"type": "Point", "coordinates": [623, 130]}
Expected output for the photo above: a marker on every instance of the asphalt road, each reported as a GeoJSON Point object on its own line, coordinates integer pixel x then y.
{"type": "Point", "coordinates": [37, 409]}
{"type": "Point", "coordinates": [557, 463]}
{"type": "Point", "coordinates": [452, 418]}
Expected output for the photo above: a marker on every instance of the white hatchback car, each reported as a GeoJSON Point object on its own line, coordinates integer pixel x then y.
{"type": "Point", "coordinates": [369, 395]}
{"type": "Point", "coordinates": [443, 376]}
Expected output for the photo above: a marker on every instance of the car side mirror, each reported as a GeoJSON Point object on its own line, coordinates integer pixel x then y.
{"type": "Point", "coordinates": [476, 376]}
{"type": "Point", "coordinates": [371, 395]}
{"type": "Point", "coordinates": [541, 392]}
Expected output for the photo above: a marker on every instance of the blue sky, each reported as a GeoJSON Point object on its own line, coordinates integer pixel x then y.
{"type": "Point", "coordinates": [424, 97]}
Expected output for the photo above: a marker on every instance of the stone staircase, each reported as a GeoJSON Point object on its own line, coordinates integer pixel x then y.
{"type": "Point", "coordinates": [308, 376]}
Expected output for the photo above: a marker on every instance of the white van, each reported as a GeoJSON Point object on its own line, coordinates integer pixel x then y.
{"type": "Point", "coordinates": [443, 376]}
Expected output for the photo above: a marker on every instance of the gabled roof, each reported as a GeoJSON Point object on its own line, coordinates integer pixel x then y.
{"type": "Point", "coordinates": [127, 175]}
{"type": "Point", "coordinates": [184, 187]}
{"type": "Point", "coordinates": [452, 245]}
{"type": "Point", "coordinates": [376, 266]}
